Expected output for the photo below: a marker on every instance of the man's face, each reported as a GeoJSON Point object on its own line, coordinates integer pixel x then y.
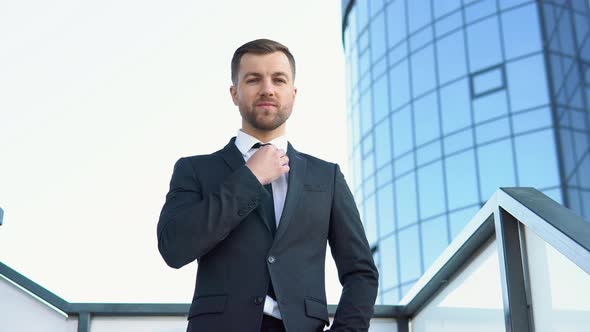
{"type": "Point", "coordinates": [264, 92]}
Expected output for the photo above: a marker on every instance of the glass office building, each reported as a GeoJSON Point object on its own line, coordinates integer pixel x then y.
{"type": "Point", "coordinates": [449, 100]}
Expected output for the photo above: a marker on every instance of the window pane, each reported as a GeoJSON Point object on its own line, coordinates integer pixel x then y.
{"type": "Point", "coordinates": [375, 6]}
{"type": "Point", "coordinates": [536, 160]}
{"type": "Point", "coordinates": [484, 44]}
{"type": "Point", "coordinates": [531, 120]}
{"type": "Point", "coordinates": [365, 83]}
{"type": "Point", "coordinates": [399, 85]}
{"type": "Point", "coordinates": [367, 144]}
{"type": "Point", "coordinates": [370, 220]}
{"type": "Point", "coordinates": [368, 167]}
{"type": "Point", "coordinates": [423, 71]}
{"type": "Point", "coordinates": [420, 39]}
{"type": "Point", "coordinates": [398, 53]}
{"type": "Point", "coordinates": [386, 216]}
{"type": "Point", "coordinates": [396, 22]}
{"type": "Point", "coordinates": [434, 239]}
{"type": "Point", "coordinates": [444, 7]}
{"type": "Point", "coordinates": [448, 24]}
{"type": "Point", "coordinates": [511, 3]}
{"type": "Point", "coordinates": [584, 171]}
{"type": "Point", "coordinates": [431, 190]}
{"type": "Point", "coordinates": [362, 14]}
{"type": "Point", "coordinates": [383, 143]}
{"type": "Point", "coordinates": [352, 23]}
{"type": "Point", "coordinates": [426, 119]}
{"type": "Point", "coordinates": [384, 175]}
{"type": "Point", "coordinates": [404, 164]}
{"type": "Point", "coordinates": [527, 83]}
{"type": "Point", "coordinates": [369, 186]}
{"type": "Point", "coordinates": [492, 130]}
{"type": "Point", "coordinates": [479, 10]}
{"type": "Point", "coordinates": [455, 106]}
{"type": "Point", "coordinates": [496, 167]}
{"type": "Point", "coordinates": [402, 131]}
{"type": "Point", "coordinates": [566, 40]}
{"type": "Point", "coordinates": [522, 31]}
{"type": "Point", "coordinates": [490, 106]}
{"type": "Point", "coordinates": [461, 180]}
{"type": "Point", "coordinates": [460, 218]}
{"type": "Point", "coordinates": [582, 32]}
{"type": "Point", "coordinates": [487, 81]}
{"type": "Point", "coordinates": [356, 160]}
{"type": "Point", "coordinates": [418, 14]}
{"type": "Point", "coordinates": [364, 64]}
{"type": "Point", "coordinates": [409, 250]}
{"type": "Point", "coordinates": [405, 193]}
{"type": "Point", "coordinates": [451, 57]}
{"type": "Point", "coordinates": [458, 141]}
{"type": "Point", "coordinates": [428, 153]}
{"type": "Point", "coordinates": [580, 120]}
{"type": "Point", "coordinates": [366, 112]}
{"type": "Point", "coordinates": [405, 288]}
{"type": "Point", "coordinates": [380, 99]}
{"type": "Point", "coordinates": [377, 37]}
{"type": "Point", "coordinates": [389, 264]}
{"type": "Point", "coordinates": [379, 68]}
{"type": "Point", "coordinates": [391, 297]}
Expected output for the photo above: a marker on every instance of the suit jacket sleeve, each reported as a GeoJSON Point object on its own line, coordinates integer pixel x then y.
{"type": "Point", "coordinates": [356, 269]}
{"type": "Point", "coordinates": [192, 223]}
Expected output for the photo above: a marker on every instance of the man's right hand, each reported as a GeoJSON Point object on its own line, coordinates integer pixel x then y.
{"type": "Point", "coordinates": [268, 164]}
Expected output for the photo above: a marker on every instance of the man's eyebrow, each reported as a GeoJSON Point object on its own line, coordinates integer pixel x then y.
{"type": "Point", "coordinates": [280, 73]}
{"type": "Point", "coordinates": [252, 74]}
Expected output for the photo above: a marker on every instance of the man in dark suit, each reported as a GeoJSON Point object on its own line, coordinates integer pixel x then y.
{"type": "Point", "coordinates": [257, 215]}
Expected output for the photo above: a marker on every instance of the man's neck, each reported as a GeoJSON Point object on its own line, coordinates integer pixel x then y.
{"type": "Point", "coordinates": [263, 135]}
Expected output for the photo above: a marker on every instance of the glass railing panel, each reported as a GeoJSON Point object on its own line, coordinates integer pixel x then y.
{"type": "Point", "coordinates": [472, 300]}
{"type": "Point", "coordinates": [560, 290]}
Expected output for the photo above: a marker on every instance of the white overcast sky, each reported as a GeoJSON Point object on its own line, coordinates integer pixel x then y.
{"type": "Point", "coordinates": [98, 99]}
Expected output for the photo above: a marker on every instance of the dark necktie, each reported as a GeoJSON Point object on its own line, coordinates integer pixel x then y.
{"type": "Point", "coordinates": [268, 205]}
{"type": "Point", "coordinates": [268, 208]}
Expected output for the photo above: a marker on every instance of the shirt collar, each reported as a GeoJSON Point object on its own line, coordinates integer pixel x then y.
{"type": "Point", "coordinates": [244, 142]}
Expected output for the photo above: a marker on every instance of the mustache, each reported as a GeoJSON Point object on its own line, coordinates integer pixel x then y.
{"type": "Point", "coordinates": [267, 100]}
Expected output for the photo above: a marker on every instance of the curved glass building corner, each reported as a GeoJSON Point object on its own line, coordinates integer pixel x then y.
{"type": "Point", "coordinates": [449, 100]}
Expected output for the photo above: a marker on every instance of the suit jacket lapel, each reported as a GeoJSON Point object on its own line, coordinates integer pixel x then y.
{"type": "Point", "coordinates": [297, 165]}
{"type": "Point", "coordinates": [233, 157]}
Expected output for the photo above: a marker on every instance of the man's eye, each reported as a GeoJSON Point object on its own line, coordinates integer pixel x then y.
{"type": "Point", "coordinates": [252, 80]}
{"type": "Point", "coordinates": [280, 80]}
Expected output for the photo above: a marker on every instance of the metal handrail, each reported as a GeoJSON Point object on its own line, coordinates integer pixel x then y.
{"type": "Point", "coordinates": [567, 232]}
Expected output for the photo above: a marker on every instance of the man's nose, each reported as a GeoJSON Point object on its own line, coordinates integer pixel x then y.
{"type": "Point", "coordinates": [267, 88]}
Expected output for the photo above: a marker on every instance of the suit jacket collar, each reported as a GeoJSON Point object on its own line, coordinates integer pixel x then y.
{"type": "Point", "coordinates": [231, 155]}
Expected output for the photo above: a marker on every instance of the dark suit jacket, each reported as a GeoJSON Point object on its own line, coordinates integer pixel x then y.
{"type": "Point", "coordinates": [211, 214]}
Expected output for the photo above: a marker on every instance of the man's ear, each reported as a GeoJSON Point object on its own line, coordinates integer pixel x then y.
{"type": "Point", "coordinates": [233, 91]}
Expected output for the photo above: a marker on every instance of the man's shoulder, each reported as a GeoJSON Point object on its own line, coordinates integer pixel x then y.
{"type": "Point", "coordinates": [203, 158]}
{"type": "Point", "coordinates": [313, 161]}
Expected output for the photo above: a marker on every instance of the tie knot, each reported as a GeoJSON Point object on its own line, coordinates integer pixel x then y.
{"type": "Point", "coordinates": [259, 145]}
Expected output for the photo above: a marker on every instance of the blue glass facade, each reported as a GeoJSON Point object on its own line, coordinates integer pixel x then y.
{"type": "Point", "coordinates": [449, 100]}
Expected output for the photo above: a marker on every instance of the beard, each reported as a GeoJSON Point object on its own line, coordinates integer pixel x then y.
{"type": "Point", "coordinates": [266, 119]}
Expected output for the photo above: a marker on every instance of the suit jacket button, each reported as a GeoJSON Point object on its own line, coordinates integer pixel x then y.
{"type": "Point", "coordinates": [271, 259]}
{"type": "Point", "coordinates": [241, 212]}
{"type": "Point", "coordinates": [258, 300]}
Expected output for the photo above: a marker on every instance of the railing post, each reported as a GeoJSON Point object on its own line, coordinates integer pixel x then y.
{"type": "Point", "coordinates": [84, 322]}
{"type": "Point", "coordinates": [516, 306]}
{"type": "Point", "coordinates": [403, 324]}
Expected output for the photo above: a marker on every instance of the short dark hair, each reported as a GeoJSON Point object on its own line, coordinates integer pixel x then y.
{"type": "Point", "coordinates": [260, 47]}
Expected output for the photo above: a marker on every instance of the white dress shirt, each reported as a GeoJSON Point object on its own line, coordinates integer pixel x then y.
{"type": "Point", "coordinates": [244, 143]}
